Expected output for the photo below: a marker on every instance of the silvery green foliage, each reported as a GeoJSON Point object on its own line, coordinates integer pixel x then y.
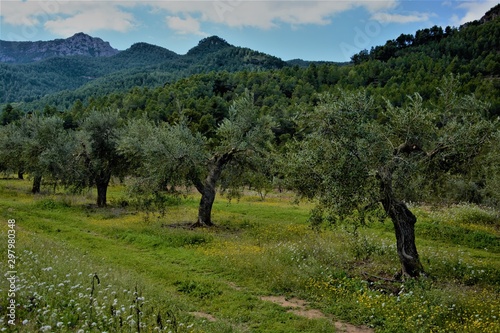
{"type": "Point", "coordinates": [11, 147]}
{"type": "Point", "coordinates": [96, 158]}
{"type": "Point", "coordinates": [45, 147]}
{"type": "Point", "coordinates": [347, 143]}
{"type": "Point", "coordinates": [173, 155]}
{"type": "Point", "coordinates": [434, 144]}
{"type": "Point", "coordinates": [338, 157]}
{"type": "Point", "coordinates": [162, 155]}
{"type": "Point", "coordinates": [489, 168]}
{"type": "Point", "coordinates": [244, 129]}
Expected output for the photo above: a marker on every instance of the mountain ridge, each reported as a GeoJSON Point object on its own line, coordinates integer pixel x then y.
{"type": "Point", "coordinates": [141, 64]}
{"type": "Point", "coordinates": [63, 80]}
{"type": "Point", "coordinates": [79, 44]}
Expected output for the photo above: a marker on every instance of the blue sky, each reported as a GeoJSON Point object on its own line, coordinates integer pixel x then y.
{"type": "Point", "coordinates": [309, 30]}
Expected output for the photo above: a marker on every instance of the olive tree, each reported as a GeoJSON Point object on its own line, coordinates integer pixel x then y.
{"type": "Point", "coordinates": [162, 156]}
{"type": "Point", "coordinates": [355, 157]}
{"type": "Point", "coordinates": [11, 148]}
{"type": "Point", "coordinates": [47, 147]}
{"type": "Point", "coordinates": [172, 154]}
{"type": "Point", "coordinates": [488, 168]}
{"type": "Point", "coordinates": [36, 145]}
{"type": "Point", "coordinates": [96, 158]}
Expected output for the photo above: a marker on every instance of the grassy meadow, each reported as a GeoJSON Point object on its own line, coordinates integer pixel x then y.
{"type": "Point", "coordinates": [116, 269]}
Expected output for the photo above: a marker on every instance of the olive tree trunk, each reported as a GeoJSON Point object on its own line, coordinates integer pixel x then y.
{"type": "Point", "coordinates": [207, 188]}
{"type": "Point", "coordinates": [102, 183]}
{"type": "Point", "coordinates": [206, 203]}
{"type": "Point", "coordinates": [404, 227]}
{"type": "Point", "coordinates": [37, 182]}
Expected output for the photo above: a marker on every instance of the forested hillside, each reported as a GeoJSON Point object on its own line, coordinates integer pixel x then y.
{"type": "Point", "coordinates": [142, 64]}
{"type": "Point", "coordinates": [417, 61]}
{"type": "Point", "coordinates": [402, 66]}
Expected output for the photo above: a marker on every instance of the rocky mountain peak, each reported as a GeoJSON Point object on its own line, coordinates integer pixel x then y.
{"type": "Point", "coordinates": [79, 44]}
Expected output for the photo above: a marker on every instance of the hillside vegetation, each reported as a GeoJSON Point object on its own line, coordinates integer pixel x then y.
{"type": "Point", "coordinates": [141, 65]}
{"type": "Point", "coordinates": [403, 66]}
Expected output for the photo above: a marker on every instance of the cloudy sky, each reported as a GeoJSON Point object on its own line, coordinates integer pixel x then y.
{"type": "Point", "coordinates": [310, 30]}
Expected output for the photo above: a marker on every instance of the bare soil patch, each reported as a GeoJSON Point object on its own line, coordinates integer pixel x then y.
{"type": "Point", "coordinates": [203, 315]}
{"type": "Point", "coordinates": [234, 286]}
{"type": "Point", "coordinates": [299, 307]}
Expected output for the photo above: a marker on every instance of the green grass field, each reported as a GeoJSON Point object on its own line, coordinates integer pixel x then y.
{"type": "Point", "coordinates": [83, 269]}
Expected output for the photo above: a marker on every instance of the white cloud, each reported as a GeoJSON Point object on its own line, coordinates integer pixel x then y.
{"type": "Point", "coordinates": [185, 17]}
{"type": "Point", "coordinates": [103, 17]}
{"type": "Point", "coordinates": [65, 18]}
{"type": "Point", "coordinates": [401, 18]}
{"type": "Point", "coordinates": [19, 13]}
{"type": "Point", "coordinates": [267, 14]}
{"type": "Point", "coordinates": [187, 26]}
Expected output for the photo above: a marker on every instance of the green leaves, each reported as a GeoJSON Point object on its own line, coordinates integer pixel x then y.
{"type": "Point", "coordinates": [162, 154]}
{"type": "Point", "coordinates": [97, 138]}
{"type": "Point", "coordinates": [244, 129]}
{"type": "Point", "coordinates": [175, 155]}
{"type": "Point", "coordinates": [46, 146]}
{"type": "Point", "coordinates": [347, 141]}
{"type": "Point", "coordinates": [412, 124]}
{"type": "Point", "coordinates": [335, 160]}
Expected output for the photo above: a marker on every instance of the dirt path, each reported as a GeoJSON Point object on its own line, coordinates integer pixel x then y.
{"type": "Point", "coordinates": [203, 315]}
{"type": "Point", "coordinates": [299, 307]}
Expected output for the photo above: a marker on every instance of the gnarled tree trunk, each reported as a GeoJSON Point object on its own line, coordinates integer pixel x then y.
{"type": "Point", "coordinates": [37, 182]}
{"type": "Point", "coordinates": [206, 203]}
{"type": "Point", "coordinates": [404, 226]}
{"type": "Point", "coordinates": [102, 183]}
{"type": "Point", "coordinates": [207, 188]}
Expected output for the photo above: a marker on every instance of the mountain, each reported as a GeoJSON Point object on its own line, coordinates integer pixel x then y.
{"type": "Point", "coordinates": [79, 44]}
{"type": "Point", "coordinates": [143, 54]}
{"type": "Point", "coordinates": [409, 63]}
{"type": "Point", "coordinates": [145, 65]}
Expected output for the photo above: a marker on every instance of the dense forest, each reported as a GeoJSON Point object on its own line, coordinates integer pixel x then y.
{"type": "Point", "coordinates": [402, 66]}
{"type": "Point", "coordinates": [142, 65]}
